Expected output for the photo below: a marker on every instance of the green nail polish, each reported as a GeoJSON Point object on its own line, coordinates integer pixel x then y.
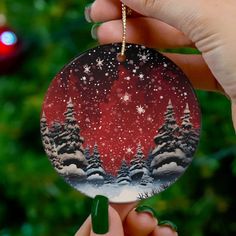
{"type": "Point", "coordinates": [94, 31]}
{"type": "Point", "coordinates": [169, 224]}
{"type": "Point", "coordinates": [99, 215]}
{"type": "Point", "coordinates": [146, 209]}
{"type": "Point", "coordinates": [87, 13]}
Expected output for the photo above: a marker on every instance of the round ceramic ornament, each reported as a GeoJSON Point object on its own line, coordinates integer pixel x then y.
{"type": "Point", "coordinates": [126, 130]}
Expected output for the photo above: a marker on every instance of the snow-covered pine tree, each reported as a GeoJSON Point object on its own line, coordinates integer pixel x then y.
{"type": "Point", "coordinates": [45, 135]}
{"type": "Point", "coordinates": [167, 133]}
{"type": "Point", "coordinates": [146, 179]}
{"type": "Point", "coordinates": [189, 136]}
{"type": "Point", "coordinates": [137, 165]}
{"type": "Point", "coordinates": [167, 140]}
{"type": "Point", "coordinates": [57, 133]}
{"type": "Point", "coordinates": [72, 128]}
{"type": "Point", "coordinates": [109, 178]}
{"type": "Point", "coordinates": [95, 172]}
{"type": "Point", "coordinates": [123, 174]}
{"type": "Point", "coordinates": [149, 160]}
{"type": "Point", "coordinates": [49, 143]}
{"type": "Point", "coordinates": [69, 144]}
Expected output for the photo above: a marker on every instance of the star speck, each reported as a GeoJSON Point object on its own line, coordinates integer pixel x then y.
{"type": "Point", "coordinates": [126, 98]}
{"type": "Point", "coordinates": [87, 69]}
{"type": "Point", "coordinates": [127, 78]}
{"type": "Point", "coordinates": [129, 150]}
{"type": "Point", "coordinates": [144, 57]}
{"type": "Point", "coordinates": [141, 76]}
{"type": "Point", "coordinates": [99, 63]}
{"type": "Point", "coordinates": [140, 109]}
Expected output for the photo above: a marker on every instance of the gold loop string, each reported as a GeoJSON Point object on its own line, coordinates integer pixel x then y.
{"type": "Point", "coordinates": [124, 29]}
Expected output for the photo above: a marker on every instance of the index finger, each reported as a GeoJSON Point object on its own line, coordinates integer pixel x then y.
{"type": "Point", "coordinates": [103, 10]}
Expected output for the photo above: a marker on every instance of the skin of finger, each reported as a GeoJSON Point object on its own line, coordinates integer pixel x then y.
{"type": "Point", "coordinates": [85, 229]}
{"type": "Point", "coordinates": [115, 224]}
{"type": "Point", "coordinates": [196, 69]}
{"type": "Point", "coordinates": [124, 208]}
{"type": "Point", "coordinates": [150, 32]}
{"type": "Point", "coordinates": [139, 224]}
{"type": "Point", "coordinates": [163, 231]}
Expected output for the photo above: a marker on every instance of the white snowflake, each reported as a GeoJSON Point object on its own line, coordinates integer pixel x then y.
{"type": "Point", "coordinates": [99, 63]}
{"type": "Point", "coordinates": [129, 150]}
{"type": "Point", "coordinates": [83, 78]}
{"type": "Point", "coordinates": [140, 109]}
{"type": "Point", "coordinates": [141, 76]}
{"type": "Point", "coordinates": [87, 69]}
{"type": "Point", "coordinates": [126, 98]}
{"type": "Point", "coordinates": [164, 64]}
{"type": "Point", "coordinates": [144, 57]}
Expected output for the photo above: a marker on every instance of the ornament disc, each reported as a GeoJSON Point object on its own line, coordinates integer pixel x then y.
{"type": "Point", "coordinates": [126, 130]}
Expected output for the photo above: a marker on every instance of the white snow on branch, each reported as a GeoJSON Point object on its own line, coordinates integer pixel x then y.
{"type": "Point", "coordinates": [178, 154]}
{"type": "Point", "coordinates": [95, 177]}
{"type": "Point", "coordinates": [166, 168]}
{"type": "Point", "coordinates": [72, 170]}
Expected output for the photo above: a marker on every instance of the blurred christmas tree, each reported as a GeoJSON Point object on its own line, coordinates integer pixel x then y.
{"type": "Point", "coordinates": [33, 199]}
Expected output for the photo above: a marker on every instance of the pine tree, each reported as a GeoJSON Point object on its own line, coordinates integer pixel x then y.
{"type": "Point", "coordinates": [168, 131]}
{"type": "Point", "coordinates": [137, 165]}
{"type": "Point", "coordinates": [72, 128]}
{"type": "Point", "coordinates": [167, 141]}
{"type": "Point", "coordinates": [146, 180]}
{"type": "Point", "coordinates": [45, 135]}
{"type": "Point", "coordinates": [68, 140]}
{"type": "Point", "coordinates": [123, 174]}
{"type": "Point", "coordinates": [149, 160]}
{"type": "Point", "coordinates": [94, 170]}
{"type": "Point", "coordinates": [189, 137]}
{"type": "Point", "coordinates": [57, 134]}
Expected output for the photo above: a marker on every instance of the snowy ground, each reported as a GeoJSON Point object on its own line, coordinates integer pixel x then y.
{"type": "Point", "coordinates": [115, 192]}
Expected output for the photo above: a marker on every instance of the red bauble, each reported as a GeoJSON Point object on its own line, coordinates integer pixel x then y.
{"type": "Point", "coordinates": [10, 49]}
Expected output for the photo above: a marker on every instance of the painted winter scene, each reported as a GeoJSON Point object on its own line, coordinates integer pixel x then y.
{"type": "Point", "coordinates": [126, 130]}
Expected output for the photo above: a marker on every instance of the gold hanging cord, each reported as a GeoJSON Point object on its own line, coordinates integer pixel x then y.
{"type": "Point", "coordinates": [124, 29]}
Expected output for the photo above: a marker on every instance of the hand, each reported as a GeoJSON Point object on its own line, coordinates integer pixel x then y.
{"type": "Point", "coordinates": [134, 224]}
{"type": "Point", "coordinates": [204, 24]}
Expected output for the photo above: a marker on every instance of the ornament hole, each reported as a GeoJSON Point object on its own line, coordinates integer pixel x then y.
{"type": "Point", "coordinates": [120, 57]}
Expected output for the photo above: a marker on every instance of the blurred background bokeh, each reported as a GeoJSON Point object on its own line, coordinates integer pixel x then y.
{"type": "Point", "coordinates": [34, 200]}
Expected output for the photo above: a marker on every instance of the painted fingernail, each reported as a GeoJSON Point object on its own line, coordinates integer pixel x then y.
{"type": "Point", "coordinates": [99, 215]}
{"type": "Point", "coordinates": [146, 209]}
{"type": "Point", "coordinates": [94, 31]}
{"type": "Point", "coordinates": [168, 224]}
{"type": "Point", "coordinates": [87, 13]}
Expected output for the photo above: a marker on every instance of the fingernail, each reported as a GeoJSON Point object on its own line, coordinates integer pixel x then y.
{"type": "Point", "coordinates": [146, 209]}
{"type": "Point", "coordinates": [168, 224]}
{"type": "Point", "coordinates": [99, 215]}
{"type": "Point", "coordinates": [87, 13]}
{"type": "Point", "coordinates": [94, 31]}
